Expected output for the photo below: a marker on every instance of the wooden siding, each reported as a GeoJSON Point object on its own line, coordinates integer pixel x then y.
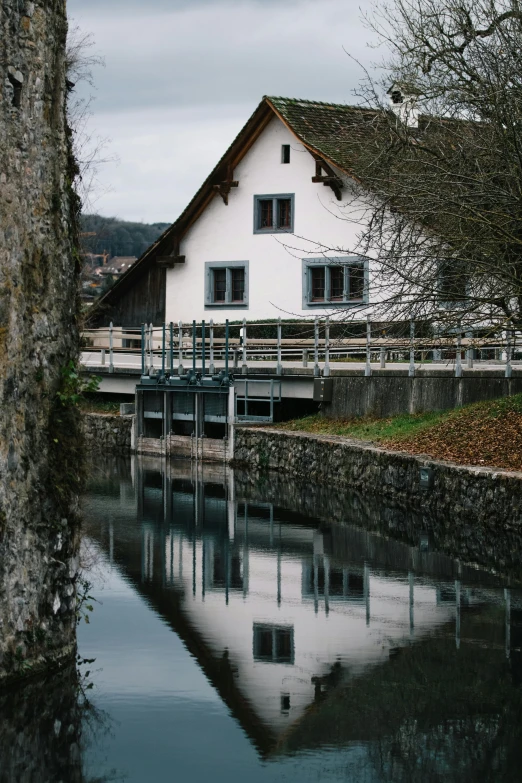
{"type": "Point", "coordinates": [141, 300]}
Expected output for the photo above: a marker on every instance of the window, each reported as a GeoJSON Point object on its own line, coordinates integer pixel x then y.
{"type": "Point", "coordinates": [238, 285]}
{"type": "Point", "coordinates": [274, 214]}
{"type": "Point", "coordinates": [226, 284]}
{"type": "Point", "coordinates": [452, 283]}
{"type": "Point", "coordinates": [273, 643]}
{"type": "Point", "coordinates": [337, 282]}
{"type": "Point", "coordinates": [285, 153]}
{"type": "Point", "coordinates": [227, 571]}
{"type": "Point", "coordinates": [220, 285]}
{"type": "Point", "coordinates": [318, 277]}
{"type": "Point", "coordinates": [335, 582]}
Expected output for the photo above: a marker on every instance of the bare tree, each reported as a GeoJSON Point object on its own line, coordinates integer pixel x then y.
{"type": "Point", "coordinates": [90, 150]}
{"type": "Point", "coordinates": [439, 165]}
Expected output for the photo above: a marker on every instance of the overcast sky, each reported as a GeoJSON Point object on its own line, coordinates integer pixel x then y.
{"type": "Point", "coordinates": [181, 78]}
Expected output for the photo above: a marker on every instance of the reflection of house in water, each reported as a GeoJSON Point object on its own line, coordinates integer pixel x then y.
{"type": "Point", "coordinates": [273, 606]}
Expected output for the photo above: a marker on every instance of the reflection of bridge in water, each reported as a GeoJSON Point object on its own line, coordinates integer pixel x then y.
{"type": "Point", "coordinates": [284, 611]}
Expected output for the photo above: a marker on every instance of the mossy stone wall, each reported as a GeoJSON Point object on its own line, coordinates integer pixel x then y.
{"type": "Point", "coordinates": [39, 447]}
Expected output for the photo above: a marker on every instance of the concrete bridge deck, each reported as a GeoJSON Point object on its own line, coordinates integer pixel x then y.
{"type": "Point", "coordinates": [355, 389]}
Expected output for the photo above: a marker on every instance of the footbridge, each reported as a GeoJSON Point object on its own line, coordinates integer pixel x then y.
{"type": "Point", "coordinates": [181, 376]}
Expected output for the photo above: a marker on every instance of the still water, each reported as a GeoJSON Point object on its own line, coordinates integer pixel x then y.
{"type": "Point", "coordinates": [249, 630]}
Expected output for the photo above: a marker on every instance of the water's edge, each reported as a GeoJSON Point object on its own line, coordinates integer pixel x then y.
{"type": "Point", "coordinates": [483, 504]}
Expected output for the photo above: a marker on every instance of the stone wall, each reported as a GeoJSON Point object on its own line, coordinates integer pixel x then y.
{"type": "Point", "coordinates": [108, 434]}
{"type": "Point", "coordinates": [472, 513]}
{"type": "Point", "coordinates": [39, 445]}
{"type": "Point", "coordinates": [391, 392]}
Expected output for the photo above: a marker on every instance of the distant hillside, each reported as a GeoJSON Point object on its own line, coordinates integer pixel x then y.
{"type": "Point", "coordinates": [118, 237]}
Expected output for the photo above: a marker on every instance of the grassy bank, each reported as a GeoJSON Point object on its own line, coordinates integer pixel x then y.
{"type": "Point", "coordinates": [485, 433]}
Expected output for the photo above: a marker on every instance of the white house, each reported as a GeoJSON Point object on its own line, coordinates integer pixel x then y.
{"type": "Point", "coordinates": [270, 233]}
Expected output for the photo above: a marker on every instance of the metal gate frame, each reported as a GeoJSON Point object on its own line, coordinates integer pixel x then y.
{"type": "Point", "coordinates": [270, 400]}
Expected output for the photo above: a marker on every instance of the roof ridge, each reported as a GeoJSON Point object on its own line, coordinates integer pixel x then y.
{"type": "Point", "coordinates": [310, 102]}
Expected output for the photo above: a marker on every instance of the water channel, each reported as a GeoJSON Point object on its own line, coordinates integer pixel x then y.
{"type": "Point", "coordinates": [249, 628]}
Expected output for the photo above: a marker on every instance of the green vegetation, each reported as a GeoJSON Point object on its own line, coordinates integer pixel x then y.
{"type": "Point", "coordinates": [118, 237]}
{"type": "Point", "coordinates": [486, 433]}
{"type": "Point", "coordinates": [96, 404]}
{"type": "Point", "coordinates": [367, 428]}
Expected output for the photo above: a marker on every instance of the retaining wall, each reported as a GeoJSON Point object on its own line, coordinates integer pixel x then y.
{"type": "Point", "coordinates": [466, 506]}
{"type": "Point", "coordinates": [106, 433]}
{"type": "Point", "coordinates": [391, 392]}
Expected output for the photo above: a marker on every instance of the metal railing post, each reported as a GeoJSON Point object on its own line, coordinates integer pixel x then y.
{"type": "Point", "coordinates": [305, 358]}
{"type": "Point", "coordinates": [180, 348]}
{"type": "Point", "coordinates": [279, 364]}
{"type": "Point", "coordinates": [171, 336]}
{"type": "Point", "coordinates": [111, 346]}
{"type": "Point", "coordinates": [211, 368]}
{"type": "Point", "coordinates": [203, 348]}
{"type": "Point", "coordinates": [509, 368]}
{"type": "Point", "coordinates": [317, 370]}
{"type": "Point", "coordinates": [143, 349]}
{"type": "Point", "coordinates": [458, 356]}
{"type": "Point", "coordinates": [469, 352]}
{"type": "Point", "coordinates": [411, 369]}
{"type": "Point", "coordinates": [244, 367]}
{"type": "Point", "coordinates": [226, 349]}
{"type": "Point", "coordinates": [326, 371]}
{"type": "Point", "coordinates": [151, 347]}
{"type": "Point", "coordinates": [194, 346]}
{"type": "Point", "coordinates": [368, 367]}
{"type": "Point", "coordinates": [163, 349]}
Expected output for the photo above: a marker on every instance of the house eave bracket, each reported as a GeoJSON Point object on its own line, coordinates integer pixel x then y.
{"type": "Point", "coordinates": [169, 262]}
{"type": "Point", "coordinates": [328, 178]}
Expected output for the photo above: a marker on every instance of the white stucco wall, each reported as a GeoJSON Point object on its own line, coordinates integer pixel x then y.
{"type": "Point", "coordinates": [226, 233]}
{"type": "Point", "coordinates": [320, 638]}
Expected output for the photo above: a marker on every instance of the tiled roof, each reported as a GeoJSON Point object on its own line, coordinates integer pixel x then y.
{"type": "Point", "coordinates": [334, 130]}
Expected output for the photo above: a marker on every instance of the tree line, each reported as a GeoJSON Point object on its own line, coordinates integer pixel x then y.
{"type": "Point", "coordinates": [118, 237]}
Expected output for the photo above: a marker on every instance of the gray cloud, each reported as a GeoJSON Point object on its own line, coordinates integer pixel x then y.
{"type": "Point", "coordinates": [154, 6]}
{"type": "Point", "coordinates": [184, 60]}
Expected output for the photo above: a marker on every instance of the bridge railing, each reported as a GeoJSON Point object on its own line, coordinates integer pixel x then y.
{"type": "Point", "coordinates": [174, 347]}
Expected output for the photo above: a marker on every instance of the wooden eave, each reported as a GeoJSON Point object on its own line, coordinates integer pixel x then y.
{"type": "Point", "coordinates": [170, 240]}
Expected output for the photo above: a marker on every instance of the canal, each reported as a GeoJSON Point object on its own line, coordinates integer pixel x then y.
{"type": "Point", "coordinates": [249, 628]}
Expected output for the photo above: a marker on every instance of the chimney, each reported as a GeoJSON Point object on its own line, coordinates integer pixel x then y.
{"type": "Point", "coordinates": [403, 102]}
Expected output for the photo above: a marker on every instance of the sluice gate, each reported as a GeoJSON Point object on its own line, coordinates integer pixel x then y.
{"type": "Point", "coordinates": [193, 413]}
